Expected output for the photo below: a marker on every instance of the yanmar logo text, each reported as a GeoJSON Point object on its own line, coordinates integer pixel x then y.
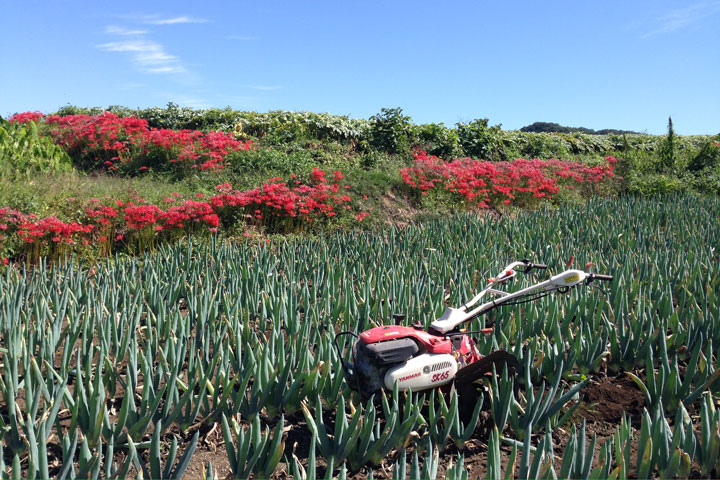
{"type": "Point", "coordinates": [409, 377]}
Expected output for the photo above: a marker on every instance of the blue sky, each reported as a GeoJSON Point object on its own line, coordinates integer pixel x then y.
{"type": "Point", "coordinates": [612, 64]}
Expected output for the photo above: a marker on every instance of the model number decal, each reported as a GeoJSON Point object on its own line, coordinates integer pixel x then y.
{"type": "Point", "coordinates": [572, 278]}
{"type": "Point", "coordinates": [440, 376]}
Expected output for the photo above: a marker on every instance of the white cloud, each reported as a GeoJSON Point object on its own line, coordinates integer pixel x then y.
{"type": "Point", "coordinates": [117, 30]}
{"type": "Point", "coordinates": [150, 56]}
{"type": "Point", "coordinates": [683, 17]}
{"type": "Point", "coordinates": [173, 20]}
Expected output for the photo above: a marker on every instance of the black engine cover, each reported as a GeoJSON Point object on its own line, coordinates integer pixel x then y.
{"type": "Point", "coordinates": [392, 351]}
{"type": "Point", "coordinates": [373, 360]}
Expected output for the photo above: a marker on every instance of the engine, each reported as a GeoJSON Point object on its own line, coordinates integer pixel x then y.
{"type": "Point", "coordinates": [408, 360]}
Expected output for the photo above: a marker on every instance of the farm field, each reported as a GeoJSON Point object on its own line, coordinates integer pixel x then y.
{"type": "Point", "coordinates": [216, 359]}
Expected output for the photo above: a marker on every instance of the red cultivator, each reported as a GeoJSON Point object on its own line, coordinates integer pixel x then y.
{"type": "Point", "coordinates": [419, 359]}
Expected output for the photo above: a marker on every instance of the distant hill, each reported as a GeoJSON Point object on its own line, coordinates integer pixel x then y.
{"type": "Point", "coordinates": [551, 127]}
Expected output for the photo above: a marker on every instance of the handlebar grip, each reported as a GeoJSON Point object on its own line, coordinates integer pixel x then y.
{"type": "Point", "coordinates": [606, 278]}
{"type": "Point", "coordinates": [529, 265]}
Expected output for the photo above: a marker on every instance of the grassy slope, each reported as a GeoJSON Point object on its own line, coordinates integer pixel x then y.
{"type": "Point", "coordinates": [373, 173]}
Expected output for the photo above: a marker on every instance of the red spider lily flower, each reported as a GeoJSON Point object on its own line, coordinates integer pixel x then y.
{"type": "Point", "coordinates": [51, 229]}
{"type": "Point", "coordinates": [26, 117]}
{"type": "Point", "coordinates": [138, 217]}
{"type": "Point", "coordinates": [486, 183]}
{"type": "Point", "coordinates": [318, 175]}
{"type": "Point", "coordinates": [93, 134]}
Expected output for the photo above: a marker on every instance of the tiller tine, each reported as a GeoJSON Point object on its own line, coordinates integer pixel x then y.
{"type": "Point", "coordinates": [467, 375]}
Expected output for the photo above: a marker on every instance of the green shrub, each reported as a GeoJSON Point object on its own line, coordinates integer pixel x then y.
{"type": "Point", "coordinates": [707, 157]}
{"type": "Point", "coordinates": [545, 146]}
{"type": "Point", "coordinates": [390, 131]}
{"type": "Point", "coordinates": [667, 152]}
{"type": "Point", "coordinates": [438, 140]}
{"type": "Point", "coordinates": [270, 160]}
{"type": "Point", "coordinates": [23, 152]}
{"type": "Point", "coordinates": [480, 141]}
{"type": "Point", "coordinates": [708, 180]}
{"type": "Point", "coordinates": [655, 183]}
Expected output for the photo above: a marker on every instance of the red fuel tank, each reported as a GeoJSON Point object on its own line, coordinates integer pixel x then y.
{"type": "Point", "coordinates": [432, 343]}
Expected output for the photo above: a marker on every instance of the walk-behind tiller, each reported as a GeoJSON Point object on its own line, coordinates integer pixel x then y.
{"type": "Point", "coordinates": [418, 360]}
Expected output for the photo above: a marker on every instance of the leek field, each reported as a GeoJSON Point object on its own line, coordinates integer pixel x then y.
{"type": "Point", "coordinates": [215, 360]}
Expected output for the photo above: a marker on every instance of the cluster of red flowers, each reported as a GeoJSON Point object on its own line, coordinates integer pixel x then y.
{"type": "Point", "coordinates": [297, 199]}
{"type": "Point", "coordinates": [484, 183]}
{"type": "Point", "coordinates": [26, 117]}
{"type": "Point", "coordinates": [189, 212]}
{"type": "Point", "coordinates": [9, 220]}
{"type": "Point", "coordinates": [114, 141]}
{"type": "Point", "coordinates": [109, 222]}
{"type": "Point", "coordinates": [50, 229]}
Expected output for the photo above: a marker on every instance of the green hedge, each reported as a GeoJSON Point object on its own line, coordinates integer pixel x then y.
{"type": "Point", "coordinates": [392, 132]}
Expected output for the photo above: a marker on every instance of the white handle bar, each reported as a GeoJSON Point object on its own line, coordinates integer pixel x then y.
{"type": "Point", "coordinates": [455, 316]}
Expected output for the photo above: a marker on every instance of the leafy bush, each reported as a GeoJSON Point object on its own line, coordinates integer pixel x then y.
{"type": "Point", "coordinates": [708, 180]}
{"type": "Point", "coordinates": [280, 126]}
{"type": "Point", "coordinates": [437, 139]}
{"type": "Point", "coordinates": [667, 152]}
{"type": "Point", "coordinates": [270, 160]}
{"type": "Point", "coordinates": [390, 131]}
{"type": "Point", "coordinates": [654, 184]}
{"type": "Point", "coordinates": [24, 152]}
{"type": "Point", "coordinates": [478, 140]}
{"type": "Point", "coordinates": [707, 157]}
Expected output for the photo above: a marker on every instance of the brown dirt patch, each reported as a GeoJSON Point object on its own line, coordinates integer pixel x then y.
{"type": "Point", "coordinates": [398, 211]}
{"type": "Point", "coordinates": [606, 399]}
